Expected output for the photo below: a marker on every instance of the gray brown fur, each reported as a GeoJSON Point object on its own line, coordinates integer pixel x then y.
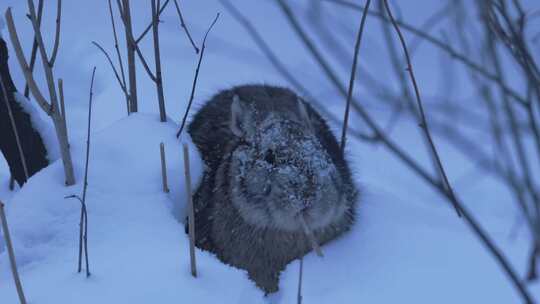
{"type": "Point", "coordinates": [259, 150]}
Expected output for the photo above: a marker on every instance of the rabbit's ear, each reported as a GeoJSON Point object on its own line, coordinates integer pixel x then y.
{"type": "Point", "coordinates": [241, 117]}
{"type": "Point", "coordinates": [303, 111]}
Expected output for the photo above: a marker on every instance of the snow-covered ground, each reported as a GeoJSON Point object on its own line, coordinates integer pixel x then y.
{"type": "Point", "coordinates": [408, 246]}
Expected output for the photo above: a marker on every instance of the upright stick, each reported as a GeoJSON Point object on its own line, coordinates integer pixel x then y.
{"type": "Point", "coordinates": [353, 74]}
{"type": "Point", "coordinates": [11, 254]}
{"type": "Point", "coordinates": [191, 213]}
{"type": "Point", "coordinates": [157, 59]}
{"type": "Point", "coordinates": [131, 57]}
{"type": "Point", "coordinates": [163, 168]}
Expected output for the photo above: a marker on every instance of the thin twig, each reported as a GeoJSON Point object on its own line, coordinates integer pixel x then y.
{"type": "Point", "coordinates": [91, 95]}
{"type": "Point", "coordinates": [183, 25]}
{"type": "Point", "coordinates": [191, 212]}
{"type": "Point", "coordinates": [196, 77]}
{"type": "Point", "coordinates": [119, 57]}
{"type": "Point", "coordinates": [147, 29]}
{"type": "Point", "coordinates": [145, 64]}
{"type": "Point", "coordinates": [11, 255]}
{"type": "Point", "coordinates": [353, 74]}
{"type": "Point", "coordinates": [57, 33]}
{"type": "Point", "coordinates": [33, 54]}
{"type": "Point", "coordinates": [423, 121]}
{"type": "Point", "coordinates": [122, 84]}
{"type": "Point", "coordinates": [82, 224]}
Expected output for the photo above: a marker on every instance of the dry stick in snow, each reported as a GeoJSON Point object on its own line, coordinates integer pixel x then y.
{"type": "Point", "coordinates": [62, 105]}
{"type": "Point", "coordinates": [191, 212]}
{"type": "Point", "coordinates": [11, 255]}
{"type": "Point", "coordinates": [157, 59]}
{"type": "Point", "coordinates": [52, 108]}
{"type": "Point", "coordinates": [163, 168]}
{"type": "Point", "coordinates": [353, 74]}
{"type": "Point", "coordinates": [14, 127]}
{"type": "Point", "coordinates": [183, 25]}
{"type": "Point", "coordinates": [447, 188]}
{"type": "Point", "coordinates": [119, 57]}
{"type": "Point", "coordinates": [203, 47]}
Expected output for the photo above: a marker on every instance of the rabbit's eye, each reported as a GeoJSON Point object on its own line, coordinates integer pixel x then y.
{"type": "Point", "coordinates": [270, 157]}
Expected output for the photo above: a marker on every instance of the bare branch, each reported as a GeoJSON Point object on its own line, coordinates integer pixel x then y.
{"type": "Point", "coordinates": [353, 74]}
{"type": "Point", "coordinates": [196, 77]}
{"type": "Point", "coordinates": [147, 29]}
{"type": "Point", "coordinates": [57, 34]}
{"type": "Point", "coordinates": [183, 25]}
{"type": "Point", "coordinates": [120, 82]}
{"type": "Point", "coordinates": [83, 223]}
{"type": "Point", "coordinates": [423, 122]}
{"type": "Point", "coordinates": [33, 54]}
{"type": "Point", "coordinates": [191, 212]}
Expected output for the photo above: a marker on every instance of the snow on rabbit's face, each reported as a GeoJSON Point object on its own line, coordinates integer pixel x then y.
{"type": "Point", "coordinates": [281, 172]}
